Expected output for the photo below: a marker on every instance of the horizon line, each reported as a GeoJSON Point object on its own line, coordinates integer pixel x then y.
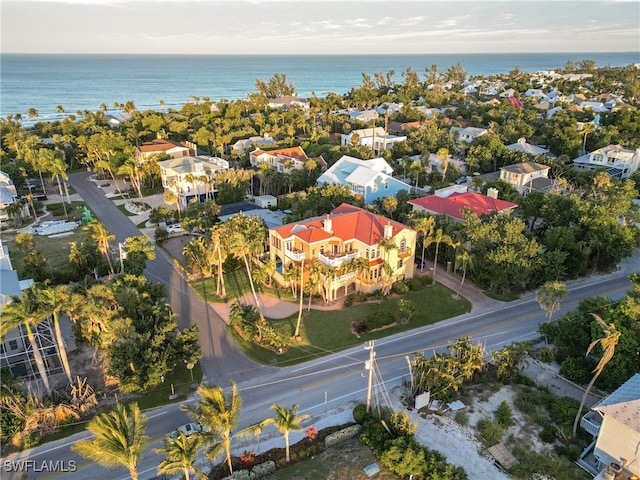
{"type": "Point", "coordinates": [324, 54]}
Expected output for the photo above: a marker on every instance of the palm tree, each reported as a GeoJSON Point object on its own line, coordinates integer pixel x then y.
{"type": "Point", "coordinates": [58, 169]}
{"type": "Point", "coordinates": [443, 153]}
{"type": "Point", "coordinates": [297, 331]}
{"type": "Point", "coordinates": [172, 198]}
{"type": "Point", "coordinates": [221, 256]}
{"type": "Point", "coordinates": [550, 295]}
{"type": "Point", "coordinates": [286, 422]}
{"type": "Point", "coordinates": [243, 246]}
{"type": "Point", "coordinates": [119, 439]}
{"type": "Point", "coordinates": [438, 238]}
{"type": "Point", "coordinates": [424, 226]}
{"type": "Point", "coordinates": [219, 415]}
{"type": "Point", "coordinates": [24, 310]}
{"type": "Point", "coordinates": [55, 300]}
{"type": "Point", "coordinates": [180, 454]}
{"type": "Point", "coordinates": [387, 244]}
{"type": "Point", "coordinates": [608, 343]}
{"type": "Point", "coordinates": [102, 237]}
{"type": "Point", "coordinates": [131, 169]}
{"type": "Point", "coordinates": [105, 165]}
{"type": "Point", "coordinates": [464, 261]}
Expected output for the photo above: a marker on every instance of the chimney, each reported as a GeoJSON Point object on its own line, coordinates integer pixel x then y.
{"type": "Point", "coordinates": [328, 225]}
{"type": "Point", "coordinates": [388, 230]}
{"type": "Point", "coordinates": [492, 192]}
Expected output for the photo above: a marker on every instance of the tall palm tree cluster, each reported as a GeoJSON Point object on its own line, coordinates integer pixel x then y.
{"type": "Point", "coordinates": [119, 436]}
{"type": "Point", "coordinates": [126, 318]}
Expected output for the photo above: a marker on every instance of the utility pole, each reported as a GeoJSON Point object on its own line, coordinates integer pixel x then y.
{"type": "Point", "coordinates": [369, 365]}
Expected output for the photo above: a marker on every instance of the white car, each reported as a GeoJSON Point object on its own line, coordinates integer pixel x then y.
{"type": "Point", "coordinates": [174, 228]}
{"type": "Point", "coordinates": [188, 429]}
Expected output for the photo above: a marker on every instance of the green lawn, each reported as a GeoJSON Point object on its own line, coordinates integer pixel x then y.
{"type": "Point", "coordinates": [236, 284]}
{"type": "Point", "coordinates": [325, 332]}
{"type": "Point", "coordinates": [181, 380]}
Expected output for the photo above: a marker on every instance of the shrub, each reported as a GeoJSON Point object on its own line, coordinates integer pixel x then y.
{"type": "Point", "coordinates": [563, 411]}
{"type": "Point", "coordinates": [400, 288]}
{"type": "Point", "coordinates": [379, 319]}
{"type": "Point", "coordinates": [548, 434]}
{"type": "Point", "coordinates": [359, 413]}
{"type": "Point", "coordinates": [462, 418]}
{"type": "Point", "coordinates": [342, 435]}
{"type": "Point", "coordinates": [490, 431]}
{"type": "Point", "coordinates": [414, 284]}
{"type": "Point", "coordinates": [349, 300]}
{"type": "Point", "coordinates": [575, 369]}
{"type": "Point", "coordinates": [572, 452]}
{"type": "Point", "coordinates": [161, 236]}
{"type": "Point", "coordinates": [503, 414]}
{"type": "Point", "coordinates": [547, 355]}
{"type": "Point", "coordinates": [426, 280]}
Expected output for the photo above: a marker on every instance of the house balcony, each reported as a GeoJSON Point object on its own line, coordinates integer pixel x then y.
{"type": "Point", "coordinates": [339, 280]}
{"type": "Point", "coordinates": [591, 423]}
{"type": "Point", "coordinates": [295, 255]}
{"type": "Point", "coordinates": [337, 259]}
{"type": "Point", "coordinates": [407, 252]}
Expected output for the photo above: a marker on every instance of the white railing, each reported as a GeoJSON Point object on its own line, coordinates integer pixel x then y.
{"type": "Point", "coordinates": [344, 278]}
{"type": "Point", "coordinates": [336, 260]}
{"type": "Point", "coordinates": [591, 423]}
{"type": "Point", "coordinates": [295, 255]}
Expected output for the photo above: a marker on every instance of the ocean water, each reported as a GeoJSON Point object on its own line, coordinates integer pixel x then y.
{"type": "Point", "coordinates": [84, 82]}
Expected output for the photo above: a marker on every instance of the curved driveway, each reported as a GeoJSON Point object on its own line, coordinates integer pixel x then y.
{"type": "Point", "coordinates": [222, 360]}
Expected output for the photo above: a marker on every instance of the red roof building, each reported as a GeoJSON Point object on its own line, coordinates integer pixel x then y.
{"type": "Point", "coordinates": [349, 244]}
{"type": "Point", "coordinates": [453, 204]}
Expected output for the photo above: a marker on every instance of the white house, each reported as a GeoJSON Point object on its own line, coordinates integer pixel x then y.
{"type": "Point", "coordinates": [8, 194]}
{"type": "Point", "coordinates": [363, 116]}
{"type": "Point", "coordinates": [376, 138]}
{"type": "Point", "coordinates": [614, 423]}
{"type": "Point", "coordinates": [289, 101]}
{"type": "Point", "coordinates": [467, 134]}
{"type": "Point", "coordinates": [245, 144]}
{"type": "Point", "coordinates": [522, 146]}
{"type": "Point", "coordinates": [617, 161]}
{"type": "Point", "coordinates": [191, 177]}
{"type": "Point", "coordinates": [370, 178]}
{"type": "Point", "coordinates": [526, 177]}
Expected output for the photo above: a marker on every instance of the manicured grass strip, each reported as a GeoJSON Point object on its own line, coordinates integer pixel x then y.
{"type": "Point", "coordinates": [325, 332]}
{"type": "Point", "coordinates": [236, 283]}
{"type": "Point", "coordinates": [181, 380]}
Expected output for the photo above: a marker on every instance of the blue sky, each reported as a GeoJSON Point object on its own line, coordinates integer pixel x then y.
{"type": "Point", "coordinates": [318, 26]}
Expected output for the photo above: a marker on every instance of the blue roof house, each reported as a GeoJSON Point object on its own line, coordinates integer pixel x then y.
{"type": "Point", "coordinates": [370, 178]}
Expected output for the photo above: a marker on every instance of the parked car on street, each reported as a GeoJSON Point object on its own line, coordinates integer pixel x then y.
{"type": "Point", "coordinates": [174, 228]}
{"type": "Point", "coordinates": [188, 429]}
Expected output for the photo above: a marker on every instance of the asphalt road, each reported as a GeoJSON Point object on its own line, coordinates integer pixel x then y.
{"type": "Point", "coordinates": [321, 387]}
{"type": "Point", "coordinates": [331, 383]}
{"type": "Point", "coordinates": [222, 360]}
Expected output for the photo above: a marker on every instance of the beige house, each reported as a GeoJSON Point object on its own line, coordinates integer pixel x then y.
{"type": "Point", "coordinates": [614, 423]}
{"type": "Point", "coordinates": [527, 177]}
{"type": "Point", "coordinates": [348, 244]}
{"type": "Point", "coordinates": [167, 147]}
{"type": "Point", "coordinates": [284, 160]}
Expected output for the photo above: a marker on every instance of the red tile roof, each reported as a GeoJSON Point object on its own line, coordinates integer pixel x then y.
{"type": "Point", "coordinates": [454, 203]}
{"type": "Point", "coordinates": [159, 145]}
{"type": "Point", "coordinates": [292, 152]}
{"type": "Point", "coordinates": [347, 223]}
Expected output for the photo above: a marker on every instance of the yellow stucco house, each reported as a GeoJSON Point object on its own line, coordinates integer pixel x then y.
{"type": "Point", "coordinates": [350, 246]}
